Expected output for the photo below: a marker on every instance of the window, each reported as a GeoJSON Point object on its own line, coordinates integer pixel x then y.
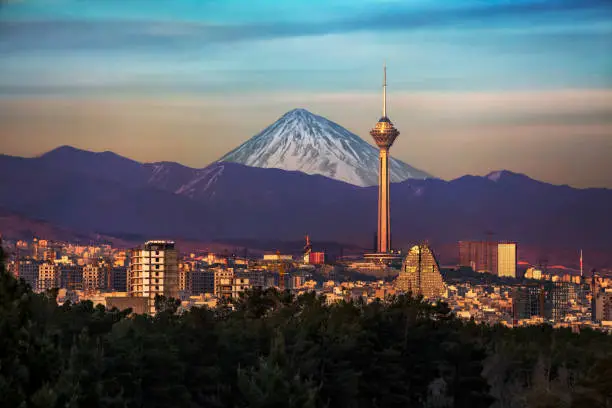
{"type": "Point", "coordinates": [156, 266]}
{"type": "Point", "coordinates": [157, 288]}
{"type": "Point", "coordinates": [156, 252]}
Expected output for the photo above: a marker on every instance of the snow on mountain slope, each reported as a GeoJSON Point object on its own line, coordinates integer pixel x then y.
{"type": "Point", "coordinates": [309, 143]}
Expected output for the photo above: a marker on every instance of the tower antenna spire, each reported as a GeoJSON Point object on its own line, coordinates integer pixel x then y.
{"type": "Point", "coordinates": [385, 90]}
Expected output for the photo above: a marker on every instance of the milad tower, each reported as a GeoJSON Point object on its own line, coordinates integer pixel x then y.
{"type": "Point", "coordinates": [384, 134]}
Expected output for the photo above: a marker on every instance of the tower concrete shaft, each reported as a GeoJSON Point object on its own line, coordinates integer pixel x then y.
{"type": "Point", "coordinates": [384, 215]}
{"type": "Point", "coordinates": [384, 134]}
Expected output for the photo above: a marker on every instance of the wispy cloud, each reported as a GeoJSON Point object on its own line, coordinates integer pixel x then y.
{"type": "Point", "coordinates": [58, 33]}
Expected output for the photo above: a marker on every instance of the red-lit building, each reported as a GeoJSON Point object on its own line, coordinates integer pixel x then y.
{"type": "Point", "coordinates": [316, 258]}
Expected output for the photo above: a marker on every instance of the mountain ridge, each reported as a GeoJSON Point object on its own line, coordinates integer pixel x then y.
{"type": "Point", "coordinates": [303, 141]}
{"type": "Point", "coordinates": [230, 200]}
{"type": "Point", "coordinates": [486, 177]}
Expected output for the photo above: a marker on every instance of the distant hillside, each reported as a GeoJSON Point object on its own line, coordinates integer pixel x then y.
{"type": "Point", "coordinates": [111, 195]}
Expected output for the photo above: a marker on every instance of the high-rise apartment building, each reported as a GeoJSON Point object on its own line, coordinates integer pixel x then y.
{"type": "Point", "coordinates": [607, 306]}
{"type": "Point", "coordinates": [420, 273]}
{"type": "Point", "coordinates": [224, 280]}
{"type": "Point", "coordinates": [28, 269]}
{"type": "Point", "coordinates": [506, 260]}
{"type": "Point", "coordinates": [153, 271]}
{"type": "Point", "coordinates": [48, 276]}
{"type": "Point", "coordinates": [71, 276]}
{"type": "Point", "coordinates": [94, 277]}
{"type": "Point", "coordinates": [185, 275]}
{"type": "Point", "coordinates": [528, 301]}
{"type": "Point", "coordinates": [202, 281]}
{"type": "Point", "coordinates": [601, 306]}
{"type": "Point", "coordinates": [557, 300]}
{"type": "Point", "coordinates": [116, 279]}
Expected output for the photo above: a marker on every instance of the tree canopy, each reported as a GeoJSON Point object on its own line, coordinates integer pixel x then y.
{"type": "Point", "coordinates": [273, 349]}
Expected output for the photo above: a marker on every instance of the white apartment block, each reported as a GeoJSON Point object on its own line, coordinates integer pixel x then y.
{"type": "Point", "coordinates": [93, 278]}
{"type": "Point", "coordinates": [48, 276]}
{"type": "Point", "coordinates": [154, 271]}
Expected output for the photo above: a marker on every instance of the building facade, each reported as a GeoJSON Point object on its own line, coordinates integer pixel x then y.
{"type": "Point", "coordinates": [117, 279]}
{"type": "Point", "coordinates": [316, 258]}
{"type": "Point", "coordinates": [528, 302]}
{"type": "Point", "coordinates": [481, 256]}
{"type": "Point", "coordinates": [557, 300]}
{"type": "Point", "coordinates": [48, 276]}
{"type": "Point", "coordinates": [28, 269]}
{"type": "Point", "coordinates": [420, 274]}
{"type": "Point", "coordinates": [506, 260]}
{"type": "Point", "coordinates": [71, 276]}
{"type": "Point", "coordinates": [153, 271]}
{"type": "Point", "coordinates": [202, 281]}
{"type": "Point", "coordinates": [224, 280]}
{"type": "Point", "coordinates": [94, 278]}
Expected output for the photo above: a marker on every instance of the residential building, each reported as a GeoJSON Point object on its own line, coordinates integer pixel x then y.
{"type": "Point", "coordinates": [239, 285]}
{"type": "Point", "coordinates": [557, 300]}
{"type": "Point", "coordinates": [71, 276]}
{"type": "Point", "coordinates": [94, 277]}
{"type": "Point", "coordinates": [277, 257]}
{"type": "Point", "coordinates": [117, 279]}
{"type": "Point", "coordinates": [48, 276]}
{"type": "Point", "coordinates": [224, 280]}
{"type": "Point", "coordinates": [202, 281]}
{"type": "Point", "coordinates": [28, 270]}
{"type": "Point", "coordinates": [527, 302]}
{"type": "Point", "coordinates": [153, 271]}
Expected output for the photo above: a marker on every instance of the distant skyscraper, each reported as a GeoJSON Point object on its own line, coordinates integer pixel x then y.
{"type": "Point", "coordinates": [482, 256]}
{"type": "Point", "coordinates": [506, 260]}
{"type": "Point", "coordinates": [420, 273]}
{"type": "Point", "coordinates": [384, 134]}
{"type": "Point", "coordinates": [154, 271]}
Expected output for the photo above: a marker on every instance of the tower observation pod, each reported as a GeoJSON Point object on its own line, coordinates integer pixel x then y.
{"type": "Point", "coordinates": [384, 134]}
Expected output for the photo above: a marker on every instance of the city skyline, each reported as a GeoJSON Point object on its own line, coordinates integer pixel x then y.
{"type": "Point", "coordinates": [523, 86]}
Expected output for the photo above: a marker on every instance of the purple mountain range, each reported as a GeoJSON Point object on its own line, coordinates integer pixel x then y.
{"type": "Point", "coordinates": [109, 194]}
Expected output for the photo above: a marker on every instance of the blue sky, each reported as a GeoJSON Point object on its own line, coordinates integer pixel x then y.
{"type": "Point", "coordinates": [59, 58]}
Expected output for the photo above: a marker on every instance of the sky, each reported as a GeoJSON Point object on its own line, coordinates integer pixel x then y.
{"type": "Point", "coordinates": [474, 86]}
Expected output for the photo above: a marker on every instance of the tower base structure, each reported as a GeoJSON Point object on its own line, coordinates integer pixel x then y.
{"type": "Point", "coordinates": [383, 257]}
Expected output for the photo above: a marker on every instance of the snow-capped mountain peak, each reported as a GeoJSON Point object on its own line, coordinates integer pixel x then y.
{"type": "Point", "coordinates": [303, 141]}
